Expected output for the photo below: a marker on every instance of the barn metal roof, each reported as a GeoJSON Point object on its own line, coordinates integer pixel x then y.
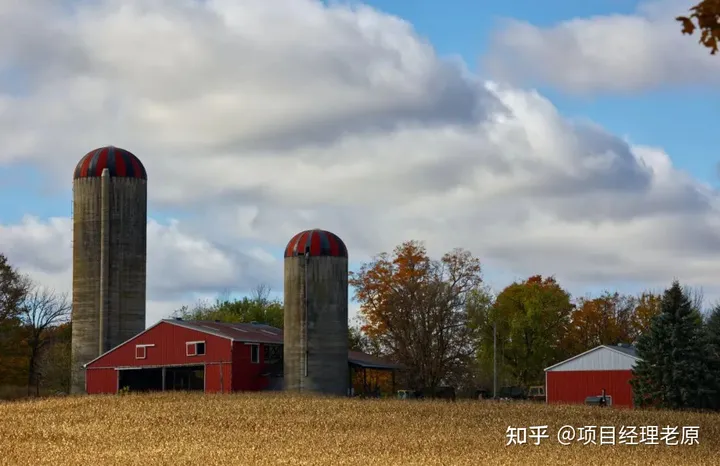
{"type": "Point", "coordinates": [250, 333]}
{"type": "Point", "coordinates": [627, 349]}
{"type": "Point", "coordinates": [262, 333]}
{"type": "Point", "coordinates": [619, 358]}
{"type": "Point", "coordinates": [256, 333]}
{"type": "Point", "coordinates": [370, 362]}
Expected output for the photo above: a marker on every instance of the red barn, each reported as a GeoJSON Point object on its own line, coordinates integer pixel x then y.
{"type": "Point", "coordinates": [606, 367]}
{"type": "Point", "coordinates": [213, 357]}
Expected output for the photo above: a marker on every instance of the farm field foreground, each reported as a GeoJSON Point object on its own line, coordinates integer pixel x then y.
{"type": "Point", "coordinates": [270, 429]}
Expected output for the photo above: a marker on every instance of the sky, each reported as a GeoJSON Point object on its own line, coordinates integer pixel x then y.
{"type": "Point", "coordinates": [572, 139]}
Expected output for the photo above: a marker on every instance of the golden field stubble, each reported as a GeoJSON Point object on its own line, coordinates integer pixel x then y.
{"type": "Point", "coordinates": [270, 429]}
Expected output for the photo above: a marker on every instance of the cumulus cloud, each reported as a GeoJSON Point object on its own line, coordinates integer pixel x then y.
{"type": "Point", "coordinates": [613, 53]}
{"type": "Point", "coordinates": [180, 266]}
{"type": "Point", "coordinates": [258, 119]}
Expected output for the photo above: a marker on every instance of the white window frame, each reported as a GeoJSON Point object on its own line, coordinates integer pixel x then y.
{"type": "Point", "coordinates": [144, 350]}
{"type": "Point", "coordinates": [193, 344]}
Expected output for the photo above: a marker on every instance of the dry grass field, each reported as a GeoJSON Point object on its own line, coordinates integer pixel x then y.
{"type": "Point", "coordinates": [276, 429]}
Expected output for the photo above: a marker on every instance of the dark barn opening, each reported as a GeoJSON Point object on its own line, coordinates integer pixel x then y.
{"type": "Point", "coordinates": [185, 378]}
{"type": "Point", "coordinates": [141, 380]}
{"type": "Point", "coordinates": [188, 378]}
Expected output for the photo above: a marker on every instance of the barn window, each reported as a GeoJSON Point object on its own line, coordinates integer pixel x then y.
{"type": "Point", "coordinates": [141, 351]}
{"type": "Point", "coordinates": [195, 348]}
{"type": "Point", "coordinates": [255, 354]}
{"type": "Point", "coordinates": [272, 353]}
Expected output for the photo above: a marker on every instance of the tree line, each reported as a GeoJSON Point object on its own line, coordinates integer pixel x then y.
{"type": "Point", "coordinates": [35, 336]}
{"type": "Point", "coordinates": [440, 320]}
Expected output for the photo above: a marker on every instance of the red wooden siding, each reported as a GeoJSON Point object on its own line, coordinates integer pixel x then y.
{"type": "Point", "coordinates": [218, 378]}
{"type": "Point", "coordinates": [246, 374]}
{"type": "Point", "coordinates": [100, 381]}
{"type": "Point", "coordinates": [572, 387]}
{"type": "Point", "coordinates": [169, 349]}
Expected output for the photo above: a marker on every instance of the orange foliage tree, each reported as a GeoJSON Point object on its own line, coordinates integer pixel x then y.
{"type": "Point", "coordinates": [606, 320]}
{"type": "Point", "coordinates": [415, 308]}
{"type": "Point", "coordinates": [647, 306]}
{"type": "Point", "coordinates": [704, 16]}
{"type": "Point", "coordinates": [610, 319]}
{"type": "Point", "coordinates": [369, 381]}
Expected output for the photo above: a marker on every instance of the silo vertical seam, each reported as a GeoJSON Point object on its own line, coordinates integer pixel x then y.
{"type": "Point", "coordinates": [104, 258]}
{"type": "Point", "coordinates": [305, 316]}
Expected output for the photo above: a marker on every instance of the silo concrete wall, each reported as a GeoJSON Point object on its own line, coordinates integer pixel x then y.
{"type": "Point", "coordinates": [128, 260]}
{"type": "Point", "coordinates": [323, 334]}
{"type": "Point", "coordinates": [127, 242]}
{"type": "Point", "coordinates": [86, 277]}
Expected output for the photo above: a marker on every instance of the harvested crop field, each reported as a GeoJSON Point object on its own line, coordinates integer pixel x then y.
{"type": "Point", "coordinates": [274, 429]}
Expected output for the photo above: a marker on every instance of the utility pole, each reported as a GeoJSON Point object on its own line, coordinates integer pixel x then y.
{"type": "Point", "coordinates": [494, 360]}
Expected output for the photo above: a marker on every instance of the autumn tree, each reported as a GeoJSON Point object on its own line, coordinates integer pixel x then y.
{"type": "Point", "coordinates": [415, 308]}
{"type": "Point", "coordinates": [605, 320]}
{"type": "Point", "coordinates": [532, 318]}
{"type": "Point", "coordinates": [705, 17]}
{"type": "Point", "coordinates": [647, 306]}
{"type": "Point", "coordinates": [41, 310]}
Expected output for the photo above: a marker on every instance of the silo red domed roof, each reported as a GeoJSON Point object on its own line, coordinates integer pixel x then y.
{"type": "Point", "coordinates": [318, 243]}
{"type": "Point", "coordinates": [120, 162]}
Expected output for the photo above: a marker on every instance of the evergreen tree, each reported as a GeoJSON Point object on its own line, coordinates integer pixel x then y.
{"type": "Point", "coordinates": [674, 367]}
{"type": "Point", "coordinates": [712, 329]}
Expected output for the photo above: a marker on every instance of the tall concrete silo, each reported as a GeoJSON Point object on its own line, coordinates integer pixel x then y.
{"type": "Point", "coordinates": [316, 314]}
{"type": "Point", "coordinates": [109, 255]}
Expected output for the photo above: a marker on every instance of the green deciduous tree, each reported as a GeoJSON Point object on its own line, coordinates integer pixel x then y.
{"type": "Point", "coordinates": [674, 370]}
{"type": "Point", "coordinates": [256, 308]}
{"type": "Point", "coordinates": [533, 318]}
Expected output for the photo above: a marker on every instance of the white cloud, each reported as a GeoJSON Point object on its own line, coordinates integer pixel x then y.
{"type": "Point", "coordinates": [613, 53]}
{"type": "Point", "coordinates": [181, 267]}
{"type": "Point", "coordinates": [259, 119]}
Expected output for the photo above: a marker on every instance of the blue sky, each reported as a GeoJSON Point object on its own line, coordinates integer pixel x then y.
{"type": "Point", "coordinates": [677, 119]}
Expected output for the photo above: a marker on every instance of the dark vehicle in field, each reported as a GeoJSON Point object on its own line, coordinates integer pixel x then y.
{"type": "Point", "coordinates": [536, 393]}
{"type": "Point", "coordinates": [512, 393]}
{"type": "Point", "coordinates": [601, 400]}
{"type": "Point", "coordinates": [439, 393]}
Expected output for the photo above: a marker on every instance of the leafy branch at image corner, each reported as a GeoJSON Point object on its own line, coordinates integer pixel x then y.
{"type": "Point", "coordinates": [706, 15]}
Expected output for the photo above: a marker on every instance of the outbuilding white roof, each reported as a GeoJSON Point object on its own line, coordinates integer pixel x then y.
{"type": "Point", "coordinates": [600, 358]}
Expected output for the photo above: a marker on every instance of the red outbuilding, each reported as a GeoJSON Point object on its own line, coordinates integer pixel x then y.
{"type": "Point", "coordinates": [606, 367]}
{"type": "Point", "coordinates": [213, 357]}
